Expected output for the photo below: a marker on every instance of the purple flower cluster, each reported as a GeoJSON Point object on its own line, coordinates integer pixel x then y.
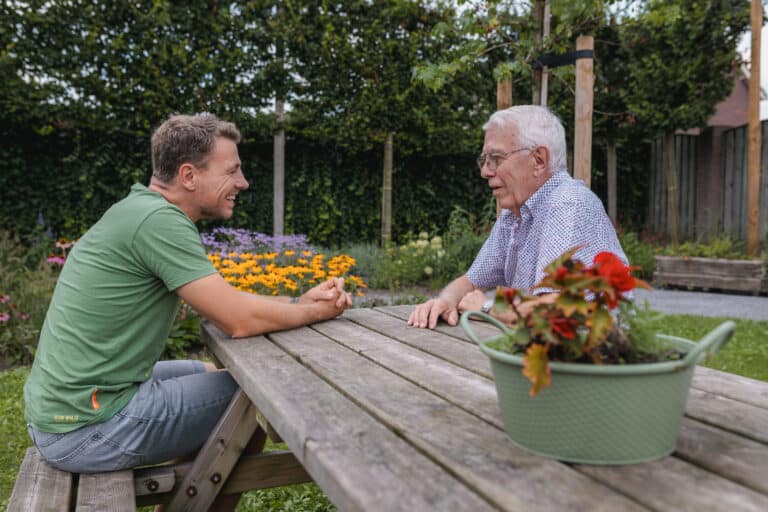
{"type": "Point", "coordinates": [226, 240]}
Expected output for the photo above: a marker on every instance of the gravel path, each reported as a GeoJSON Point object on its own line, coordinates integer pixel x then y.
{"type": "Point", "coordinates": [706, 304]}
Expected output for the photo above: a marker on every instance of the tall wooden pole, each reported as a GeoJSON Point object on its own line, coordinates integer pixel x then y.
{"type": "Point", "coordinates": [386, 193]}
{"type": "Point", "coordinates": [503, 100]}
{"type": "Point", "coordinates": [537, 13]}
{"type": "Point", "coordinates": [585, 81]}
{"type": "Point", "coordinates": [503, 94]}
{"type": "Point", "coordinates": [278, 188]}
{"type": "Point", "coordinates": [753, 158]}
{"type": "Point", "coordinates": [544, 71]}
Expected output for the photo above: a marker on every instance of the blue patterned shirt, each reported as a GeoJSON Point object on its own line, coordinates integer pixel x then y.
{"type": "Point", "coordinates": [563, 213]}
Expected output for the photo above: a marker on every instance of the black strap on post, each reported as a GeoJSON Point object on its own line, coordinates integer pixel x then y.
{"type": "Point", "coordinates": [564, 59]}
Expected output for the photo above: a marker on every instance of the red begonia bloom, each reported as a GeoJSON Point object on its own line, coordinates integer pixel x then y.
{"type": "Point", "coordinates": [565, 327]}
{"type": "Point", "coordinates": [618, 275]}
{"type": "Point", "coordinates": [560, 273]}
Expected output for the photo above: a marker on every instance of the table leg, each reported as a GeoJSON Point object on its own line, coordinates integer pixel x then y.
{"type": "Point", "coordinates": [218, 456]}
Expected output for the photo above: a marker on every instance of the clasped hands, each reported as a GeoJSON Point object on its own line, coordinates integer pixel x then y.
{"type": "Point", "coordinates": [330, 290]}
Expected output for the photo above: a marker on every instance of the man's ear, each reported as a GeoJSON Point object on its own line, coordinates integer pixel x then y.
{"type": "Point", "coordinates": [187, 177]}
{"type": "Point", "coordinates": [540, 157]}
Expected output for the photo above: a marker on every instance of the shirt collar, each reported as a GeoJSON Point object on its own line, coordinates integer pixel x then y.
{"type": "Point", "coordinates": [535, 203]}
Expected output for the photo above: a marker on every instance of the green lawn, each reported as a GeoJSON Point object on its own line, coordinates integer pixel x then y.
{"type": "Point", "coordinates": [746, 354]}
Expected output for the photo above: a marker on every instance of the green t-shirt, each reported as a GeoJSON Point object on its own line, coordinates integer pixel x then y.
{"type": "Point", "coordinates": [111, 312]}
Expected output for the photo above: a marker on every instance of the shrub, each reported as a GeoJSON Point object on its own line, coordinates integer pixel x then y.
{"type": "Point", "coordinates": [639, 253]}
{"type": "Point", "coordinates": [719, 247]}
{"type": "Point", "coordinates": [423, 260]}
{"type": "Point", "coordinates": [463, 239]}
{"type": "Point", "coordinates": [26, 285]}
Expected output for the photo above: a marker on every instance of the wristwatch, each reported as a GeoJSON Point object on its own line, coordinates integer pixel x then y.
{"type": "Point", "coordinates": [487, 305]}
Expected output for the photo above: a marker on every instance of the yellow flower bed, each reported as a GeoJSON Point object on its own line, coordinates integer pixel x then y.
{"type": "Point", "coordinates": [289, 273]}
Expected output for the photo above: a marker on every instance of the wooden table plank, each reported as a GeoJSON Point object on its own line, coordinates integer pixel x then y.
{"type": "Point", "coordinates": [479, 454]}
{"type": "Point", "coordinates": [732, 386]}
{"type": "Point", "coordinates": [739, 459]}
{"type": "Point", "coordinates": [745, 419]}
{"type": "Point", "coordinates": [673, 484]}
{"type": "Point", "coordinates": [482, 329]}
{"type": "Point", "coordinates": [359, 463]}
{"type": "Point", "coordinates": [453, 350]}
{"type": "Point", "coordinates": [463, 388]}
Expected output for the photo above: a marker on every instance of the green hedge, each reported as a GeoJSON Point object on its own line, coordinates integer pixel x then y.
{"type": "Point", "coordinates": [333, 196]}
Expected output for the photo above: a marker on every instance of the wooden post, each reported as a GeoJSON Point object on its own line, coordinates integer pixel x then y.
{"type": "Point", "coordinates": [503, 94]}
{"type": "Point", "coordinates": [503, 100]}
{"type": "Point", "coordinates": [386, 194]}
{"type": "Point", "coordinates": [544, 72]}
{"type": "Point", "coordinates": [671, 182]}
{"type": "Point", "coordinates": [585, 80]}
{"type": "Point", "coordinates": [537, 12]}
{"type": "Point", "coordinates": [753, 158]}
{"type": "Point", "coordinates": [278, 188]}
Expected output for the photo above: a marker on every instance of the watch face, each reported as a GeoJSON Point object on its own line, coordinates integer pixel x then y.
{"type": "Point", "coordinates": [487, 306]}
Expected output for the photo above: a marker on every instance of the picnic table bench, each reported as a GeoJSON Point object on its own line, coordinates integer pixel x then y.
{"type": "Point", "coordinates": [386, 417]}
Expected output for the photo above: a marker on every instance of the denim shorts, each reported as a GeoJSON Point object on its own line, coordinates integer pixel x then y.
{"type": "Point", "coordinates": [171, 416]}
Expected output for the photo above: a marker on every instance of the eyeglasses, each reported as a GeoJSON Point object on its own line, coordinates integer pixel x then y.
{"type": "Point", "coordinates": [492, 159]}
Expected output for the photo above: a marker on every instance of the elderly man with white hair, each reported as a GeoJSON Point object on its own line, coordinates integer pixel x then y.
{"type": "Point", "coordinates": [544, 213]}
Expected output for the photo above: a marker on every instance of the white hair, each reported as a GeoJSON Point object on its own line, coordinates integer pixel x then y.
{"type": "Point", "coordinates": [536, 126]}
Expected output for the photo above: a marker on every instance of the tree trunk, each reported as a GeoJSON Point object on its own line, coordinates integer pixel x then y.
{"type": "Point", "coordinates": [278, 189]}
{"type": "Point", "coordinates": [386, 194]}
{"type": "Point", "coordinates": [671, 179]}
{"type": "Point", "coordinates": [611, 161]}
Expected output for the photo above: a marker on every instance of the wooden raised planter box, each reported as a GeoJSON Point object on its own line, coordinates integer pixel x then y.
{"type": "Point", "coordinates": [711, 273]}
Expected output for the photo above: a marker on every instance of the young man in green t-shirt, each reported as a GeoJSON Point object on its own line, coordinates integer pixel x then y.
{"type": "Point", "coordinates": [97, 399]}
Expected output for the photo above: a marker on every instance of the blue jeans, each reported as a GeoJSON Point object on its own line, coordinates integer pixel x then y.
{"type": "Point", "coordinates": [170, 416]}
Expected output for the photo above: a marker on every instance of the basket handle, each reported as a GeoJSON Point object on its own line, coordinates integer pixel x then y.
{"type": "Point", "coordinates": [711, 343]}
{"type": "Point", "coordinates": [467, 315]}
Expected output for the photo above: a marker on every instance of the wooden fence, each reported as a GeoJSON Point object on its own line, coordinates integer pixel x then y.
{"type": "Point", "coordinates": [726, 203]}
{"type": "Point", "coordinates": [686, 149]}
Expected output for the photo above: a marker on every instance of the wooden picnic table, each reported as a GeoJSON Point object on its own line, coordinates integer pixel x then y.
{"type": "Point", "coordinates": [386, 417]}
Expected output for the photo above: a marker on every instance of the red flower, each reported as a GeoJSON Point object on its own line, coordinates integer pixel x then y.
{"type": "Point", "coordinates": [618, 275]}
{"type": "Point", "coordinates": [565, 327]}
{"type": "Point", "coordinates": [560, 273]}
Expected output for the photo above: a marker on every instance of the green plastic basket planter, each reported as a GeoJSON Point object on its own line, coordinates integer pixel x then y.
{"type": "Point", "coordinates": [598, 414]}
